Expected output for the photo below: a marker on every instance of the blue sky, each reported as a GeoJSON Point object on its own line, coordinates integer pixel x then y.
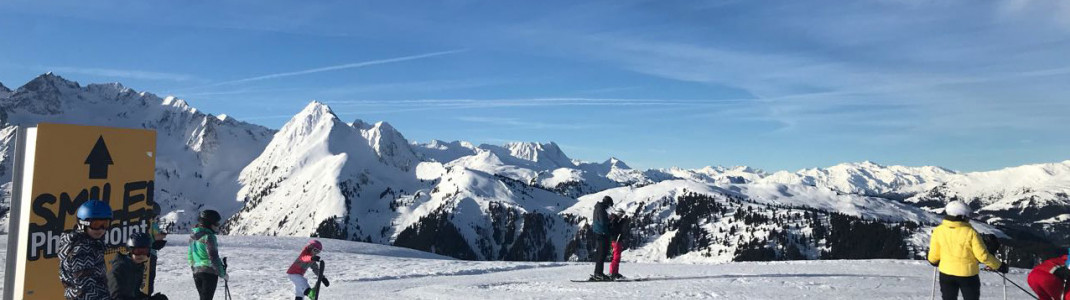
{"type": "Point", "coordinates": [778, 85]}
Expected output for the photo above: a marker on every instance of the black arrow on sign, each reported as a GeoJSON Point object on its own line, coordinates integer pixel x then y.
{"type": "Point", "coordinates": [98, 160]}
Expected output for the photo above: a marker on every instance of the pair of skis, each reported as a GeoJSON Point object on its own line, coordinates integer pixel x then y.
{"type": "Point", "coordinates": [315, 293]}
{"type": "Point", "coordinates": [616, 280]}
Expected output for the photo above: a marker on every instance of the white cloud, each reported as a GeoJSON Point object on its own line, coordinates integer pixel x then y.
{"type": "Point", "coordinates": [337, 67]}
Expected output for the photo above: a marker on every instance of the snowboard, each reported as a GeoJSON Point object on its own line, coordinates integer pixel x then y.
{"type": "Point", "coordinates": [315, 293]}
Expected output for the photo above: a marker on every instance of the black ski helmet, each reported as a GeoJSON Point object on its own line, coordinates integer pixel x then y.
{"type": "Point", "coordinates": [139, 240]}
{"type": "Point", "coordinates": [210, 217]}
{"type": "Point", "coordinates": [607, 200]}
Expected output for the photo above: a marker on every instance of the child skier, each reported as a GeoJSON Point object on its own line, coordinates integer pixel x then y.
{"type": "Point", "coordinates": [617, 223]}
{"type": "Point", "coordinates": [128, 270]}
{"type": "Point", "coordinates": [81, 253]}
{"type": "Point", "coordinates": [203, 255]}
{"type": "Point", "coordinates": [1049, 279]}
{"type": "Point", "coordinates": [308, 258]}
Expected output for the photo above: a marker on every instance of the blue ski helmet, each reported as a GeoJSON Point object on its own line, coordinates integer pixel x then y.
{"type": "Point", "coordinates": [94, 209]}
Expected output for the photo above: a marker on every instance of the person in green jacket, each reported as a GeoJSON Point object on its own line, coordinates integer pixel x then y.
{"type": "Point", "coordinates": [203, 255]}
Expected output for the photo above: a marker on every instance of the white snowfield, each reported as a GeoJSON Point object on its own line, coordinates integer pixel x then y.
{"type": "Point", "coordinates": [372, 271]}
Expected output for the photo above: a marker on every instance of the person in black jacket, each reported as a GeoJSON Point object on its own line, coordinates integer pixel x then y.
{"type": "Point", "coordinates": [600, 227]}
{"type": "Point", "coordinates": [128, 270]}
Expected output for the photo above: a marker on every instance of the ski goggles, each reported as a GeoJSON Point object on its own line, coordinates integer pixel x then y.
{"type": "Point", "coordinates": [140, 251]}
{"type": "Point", "coordinates": [97, 224]}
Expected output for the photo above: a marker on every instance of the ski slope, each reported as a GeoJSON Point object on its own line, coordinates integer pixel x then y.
{"type": "Point", "coordinates": [373, 271]}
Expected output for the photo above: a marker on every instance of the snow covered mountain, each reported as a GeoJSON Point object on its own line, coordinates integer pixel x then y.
{"type": "Point", "coordinates": [1035, 198]}
{"type": "Point", "coordinates": [321, 176]}
{"type": "Point", "coordinates": [199, 155]}
{"type": "Point", "coordinates": [529, 201]}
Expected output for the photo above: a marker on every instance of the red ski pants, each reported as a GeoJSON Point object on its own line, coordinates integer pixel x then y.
{"type": "Point", "coordinates": [614, 264]}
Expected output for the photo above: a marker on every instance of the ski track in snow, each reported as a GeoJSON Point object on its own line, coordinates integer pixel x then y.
{"type": "Point", "coordinates": [373, 271]}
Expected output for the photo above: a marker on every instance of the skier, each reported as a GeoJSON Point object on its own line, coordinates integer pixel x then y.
{"type": "Point", "coordinates": [203, 255]}
{"type": "Point", "coordinates": [159, 237]}
{"type": "Point", "coordinates": [1049, 279]}
{"type": "Point", "coordinates": [159, 241]}
{"type": "Point", "coordinates": [956, 248]}
{"type": "Point", "coordinates": [81, 253]}
{"type": "Point", "coordinates": [600, 227]}
{"type": "Point", "coordinates": [307, 259]}
{"type": "Point", "coordinates": [128, 271]}
{"type": "Point", "coordinates": [617, 223]}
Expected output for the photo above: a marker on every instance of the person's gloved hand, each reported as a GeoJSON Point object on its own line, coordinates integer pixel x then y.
{"type": "Point", "coordinates": [326, 283]}
{"type": "Point", "coordinates": [315, 258]}
{"type": "Point", "coordinates": [935, 264]}
{"type": "Point", "coordinates": [159, 244]}
{"type": "Point", "coordinates": [226, 277]}
{"type": "Point", "coordinates": [1062, 273]}
{"type": "Point", "coordinates": [1004, 268]}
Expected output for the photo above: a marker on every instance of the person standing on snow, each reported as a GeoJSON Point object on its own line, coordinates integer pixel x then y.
{"type": "Point", "coordinates": [203, 255]}
{"type": "Point", "coordinates": [128, 271]}
{"type": "Point", "coordinates": [81, 253]}
{"type": "Point", "coordinates": [600, 226]}
{"type": "Point", "coordinates": [617, 224]}
{"type": "Point", "coordinates": [159, 241]}
{"type": "Point", "coordinates": [1049, 279]}
{"type": "Point", "coordinates": [307, 259]}
{"type": "Point", "coordinates": [956, 248]}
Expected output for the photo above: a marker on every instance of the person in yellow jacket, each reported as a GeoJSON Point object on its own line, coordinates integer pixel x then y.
{"type": "Point", "coordinates": [956, 249]}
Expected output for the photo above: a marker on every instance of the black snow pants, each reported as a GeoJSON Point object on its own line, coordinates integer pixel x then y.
{"type": "Point", "coordinates": [951, 285]}
{"type": "Point", "coordinates": [600, 253]}
{"type": "Point", "coordinates": [206, 284]}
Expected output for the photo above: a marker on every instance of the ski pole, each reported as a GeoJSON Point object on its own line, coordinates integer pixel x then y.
{"type": "Point", "coordinates": [936, 272]}
{"type": "Point", "coordinates": [1064, 289]}
{"type": "Point", "coordinates": [226, 283]}
{"type": "Point", "coordinates": [1004, 287]}
{"type": "Point", "coordinates": [1017, 286]}
{"type": "Point", "coordinates": [1004, 259]}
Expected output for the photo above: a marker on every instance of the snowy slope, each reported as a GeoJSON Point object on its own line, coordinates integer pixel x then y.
{"type": "Point", "coordinates": [258, 265]}
{"type": "Point", "coordinates": [199, 155]}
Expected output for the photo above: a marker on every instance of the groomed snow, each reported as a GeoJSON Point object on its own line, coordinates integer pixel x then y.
{"type": "Point", "coordinates": [373, 271]}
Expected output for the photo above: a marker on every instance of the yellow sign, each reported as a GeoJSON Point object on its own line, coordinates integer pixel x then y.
{"type": "Point", "coordinates": [58, 167]}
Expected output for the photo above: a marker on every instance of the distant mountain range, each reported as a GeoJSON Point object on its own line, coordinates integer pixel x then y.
{"type": "Point", "coordinates": [321, 176]}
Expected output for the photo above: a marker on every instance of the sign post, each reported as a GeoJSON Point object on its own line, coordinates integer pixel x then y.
{"type": "Point", "coordinates": [57, 168]}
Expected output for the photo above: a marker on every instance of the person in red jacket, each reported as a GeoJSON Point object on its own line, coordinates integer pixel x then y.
{"type": "Point", "coordinates": [307, 259]}
{"type": "Point", "coordinates": [1049, 279]}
